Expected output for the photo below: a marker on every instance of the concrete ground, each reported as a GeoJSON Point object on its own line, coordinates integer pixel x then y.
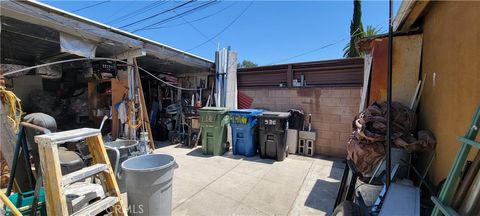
{"type": "Point", "coordinates": [236, 185]}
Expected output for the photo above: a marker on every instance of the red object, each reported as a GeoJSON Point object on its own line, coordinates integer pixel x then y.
{"type": "Point", "coordinates": [378, 76]}
{"type": "Point", "coordinates": [244, 101]}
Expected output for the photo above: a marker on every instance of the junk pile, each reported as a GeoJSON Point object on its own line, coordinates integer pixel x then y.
{"type": "Point", "coordinates": [366, 147]}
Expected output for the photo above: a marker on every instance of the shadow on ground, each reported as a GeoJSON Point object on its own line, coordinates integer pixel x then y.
{"type": "Point", "coordinates": [322, 196]}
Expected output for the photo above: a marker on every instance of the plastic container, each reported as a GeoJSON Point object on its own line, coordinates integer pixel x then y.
{"type": "Point", "coordinates": [296, 120]}
{"type": "Point", "coordinates": [272, 135]}
{"type": "Point", "coordinates": [244, 137]}
{"type": "Point", "coordinates": [149, 181]}
{"type": "Point", "coordinates": [119, 151]}
{"type": "Point", "coordinates": [213, 124]}
{"type": "Point", "coordinates": [292, 140]}
{"type": "Point", "coordinates": [24, 200]}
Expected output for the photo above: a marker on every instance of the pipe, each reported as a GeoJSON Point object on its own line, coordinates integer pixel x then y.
{"type": "Point", "coordinates": [467, 182]}
{"type": "Point", "coordinates": [389, 95]}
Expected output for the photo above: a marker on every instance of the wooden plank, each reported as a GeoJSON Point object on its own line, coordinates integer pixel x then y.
{"type": "Point", "coordinates": [408, 14]}
{"type": "Point", "coordinates": [97, 207]}
{"type": "Point", "coordinates": [67, 136]}
{"type": "Point", "coordinates": [83, 173]}
{"type": "Point", "coordinates": [146, 117]}
{"type": "Point", "coordinates": [92, 99]}
{"type": "Point", "coordinates": [119, 91]}
{"type": "Point", "coordinates": [407, 51]}
{"type": "Point", "coordinates": [415, 95]}
{"type": "Point", "coordinates": [420, 91]}
{"type": "Point", "coordinates": [9, 204]}
{"type": "Point", "coordinates": [99, 155]}
{"type": "Point", "coordinates": [366, 82]}
{"type": "Point", "coordinates": [378, 80]}
{"type": "Point", "coordinates": [52, 178]}
{"type": "Point", "coordinates": [289, 76]}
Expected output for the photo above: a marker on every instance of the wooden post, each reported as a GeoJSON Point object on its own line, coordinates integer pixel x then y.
{"type": "Point", "coordinates": [144, 112]}
{"type": "Point", "coordinates": [50, 163]}
{"type": "Point", "coordinates": [289, 76]}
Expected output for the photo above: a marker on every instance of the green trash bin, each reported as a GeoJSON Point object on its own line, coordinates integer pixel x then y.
{"type": "Point", "coordinates": [213, 123]}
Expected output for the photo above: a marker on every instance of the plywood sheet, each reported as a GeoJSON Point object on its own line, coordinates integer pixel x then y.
{"type": "Point", "coordinates": [406, 67]}
{"type": "Point", "coordinates": [378, 80]}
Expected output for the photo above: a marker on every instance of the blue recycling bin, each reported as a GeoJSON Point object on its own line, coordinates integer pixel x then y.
{"type": "Point", "coordinates": [244, 137]}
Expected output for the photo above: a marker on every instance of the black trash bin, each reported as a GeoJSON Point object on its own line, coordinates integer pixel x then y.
{"type": "Point", "coordinates": [272, 134]}
{"type": "Point", "coordinates": [297, 118]}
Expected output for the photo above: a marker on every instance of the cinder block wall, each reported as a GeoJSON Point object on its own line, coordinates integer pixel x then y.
{"type": "Point", "coordinates": [332, 109]}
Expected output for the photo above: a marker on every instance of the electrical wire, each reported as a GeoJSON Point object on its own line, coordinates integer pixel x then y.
{"type": "Point", "coordinates": [137, 12]}
{"type": "Point", "coordinates": [90, 6]}
{"type": "Point", "coordinates": [176, 16]}
{"type": "Point", "coordinates": [157, 14]}
{"type": "Point", "coordinates": [224, 29]}
{"type": "Point", "coordinates": [98, 59]}
{"type": "Point", "coordinates": [196, 20]}
{"type": "Point", "coordinates": [196, 29]}
{"type": "Point", "coordinates": [317, 49]}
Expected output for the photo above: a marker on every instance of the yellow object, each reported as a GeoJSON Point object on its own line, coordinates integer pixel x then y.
{"type": "Point", "coordinates": [9, 204]}
{"type": "Point", "coordinates": [14, 106]}
{"type": "Point", "coordinates": [55, 181]}
{"type": "Point", "coordinates": [129, 113]}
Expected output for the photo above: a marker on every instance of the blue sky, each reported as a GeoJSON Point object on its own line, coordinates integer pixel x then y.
{"type": "Point", "coordinates": [268, 32]}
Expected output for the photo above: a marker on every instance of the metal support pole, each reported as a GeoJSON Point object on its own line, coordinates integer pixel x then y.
{"type": "Point", "coordinates": [389, 96]}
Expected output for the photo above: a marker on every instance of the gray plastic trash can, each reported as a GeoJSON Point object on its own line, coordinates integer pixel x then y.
{"type": "Point", "coordinates": [149, 184]}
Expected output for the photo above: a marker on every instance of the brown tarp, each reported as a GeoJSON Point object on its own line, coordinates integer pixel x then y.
{"type": "Point", "coordinates": [366, 147]}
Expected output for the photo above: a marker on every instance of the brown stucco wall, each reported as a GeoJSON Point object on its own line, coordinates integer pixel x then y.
{"type": "Point", "coordinates": [332, 109]}
{"type": "Point", "coordinates": [451, 47]}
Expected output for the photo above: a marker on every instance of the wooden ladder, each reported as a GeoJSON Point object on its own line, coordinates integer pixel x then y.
{"type": "Point", "coordinates": [54, 182]}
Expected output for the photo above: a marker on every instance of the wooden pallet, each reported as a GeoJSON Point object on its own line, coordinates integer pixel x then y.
{"type": "Point", "coordinates": [54, 182]}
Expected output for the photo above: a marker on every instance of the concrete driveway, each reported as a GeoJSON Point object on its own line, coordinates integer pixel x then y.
{"type": "Point", "coordinates": [236, 185]}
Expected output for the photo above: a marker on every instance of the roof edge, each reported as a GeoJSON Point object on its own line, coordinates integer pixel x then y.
{"type": "Point", "coordinates": [110, 28]}
{"type": "Point", "coordinates": [409, 12]}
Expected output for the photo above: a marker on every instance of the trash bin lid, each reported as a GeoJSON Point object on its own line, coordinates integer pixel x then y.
{"type": "Point", "coordinates": [246, 112]}
{"type": "Point", "coordinates": [267, 114]}
{"type": "Point", "coordinates": [148, 163]}
{"type": "Point", "coordinates": [214, 109]}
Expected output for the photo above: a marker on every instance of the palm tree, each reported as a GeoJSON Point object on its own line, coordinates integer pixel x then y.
{"type": "Point", "coordinates": [370, 31]}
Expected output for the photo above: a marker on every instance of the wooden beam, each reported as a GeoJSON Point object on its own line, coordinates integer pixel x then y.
{"type": "Point", "coordinates": [9, 204]}
{"type": "Point", "coordinates": [30, 12]}
{"type": "Point", "coordinates": [408, 14]}
{"type": "Point", "coordinates": [289, 76]}
{"type": "Point", "coordinates": [146, 118]}
{"type": "Point", "coordinates": [133, 53]}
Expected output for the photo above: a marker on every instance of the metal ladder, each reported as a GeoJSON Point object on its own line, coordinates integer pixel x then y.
{"type": "Point", "coordinates": [444, 200]}
{"type": "Point", "coordinates": [54, 182]}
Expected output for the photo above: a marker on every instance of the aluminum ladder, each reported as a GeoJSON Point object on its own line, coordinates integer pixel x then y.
{"type": "Point", "coordinates": [54, 181]}
{"type": "Point", "coordinates": [444, 200]}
